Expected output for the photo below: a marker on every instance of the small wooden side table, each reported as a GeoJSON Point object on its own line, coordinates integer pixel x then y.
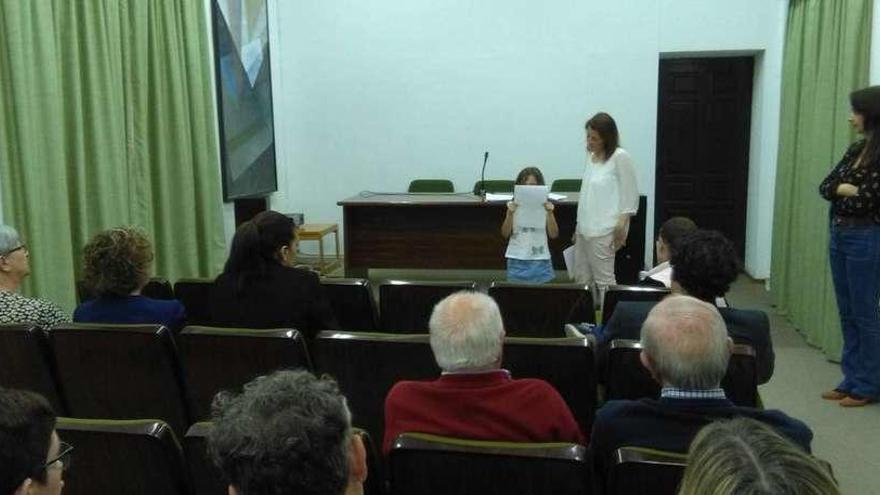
{"type": "Point", "coordinates": [316, 232]}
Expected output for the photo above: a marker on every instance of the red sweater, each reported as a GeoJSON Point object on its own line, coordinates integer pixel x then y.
{"type": "Point", "coordinates": [480, 406]}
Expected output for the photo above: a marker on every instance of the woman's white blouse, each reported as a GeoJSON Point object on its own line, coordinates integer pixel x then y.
{"type": "Point", "coordinates": [608, 190]}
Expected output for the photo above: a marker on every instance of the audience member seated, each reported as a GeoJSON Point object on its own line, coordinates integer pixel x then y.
{"type": "Point", "coordinates": [260, 288]}
{"type": "Point", "coordinates": [704, 265]}
{"type": "Point", "coordinates": [671, 232]}
{"type": "Point", "coordinates": [14, 267]}
{"type": "Point", "coordinates": [686, 349]}
{"type": "Point", "coordinates": [287, 432]}
{"type": "Point", "coordinates": [742, 455]}
{"type": "Point", "coordinates": [474, 398]}
{"type": "Point", "coordinates": [32, 456]}
{"type": "Point", "coordinates": [116, 268]}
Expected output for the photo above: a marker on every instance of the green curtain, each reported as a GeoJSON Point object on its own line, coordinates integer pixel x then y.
{"type": "Point", "coordinates": [107, 119]}
{"type": "Point", "coordinates": [826, 56]}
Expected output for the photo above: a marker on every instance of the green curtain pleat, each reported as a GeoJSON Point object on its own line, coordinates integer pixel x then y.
{"type": "Point", "coordinates": [826, 56]}
{"type": "Point", "coordinates": [107, 119]}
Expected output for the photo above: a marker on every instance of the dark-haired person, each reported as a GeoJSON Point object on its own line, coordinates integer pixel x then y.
{"type": "Point", "coordinates": [609, 197]}
{"type": "Point", "coordinates": [116, 268]}
{"type": "Point", "coordinates": [528, 254]}
{"type": "Point", "coordinates": [287, 432]}
{"type": "Point", "coordinates": [260, 288]}
{"type": "Point", "coordinates": [853, 188]}
{"type": "Point", "coordinates": [32, 457]}
{"type": "Point", "coordinates": [14, 267]}
{"type": "Point", "coordinates": [704, 264]}
{"type": "Point", "coordinates": [670, 233]}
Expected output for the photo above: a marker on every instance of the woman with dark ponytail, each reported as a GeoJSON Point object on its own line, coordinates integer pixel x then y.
{"type": "Point", "coordinates": [853, 188]}
{"type": "Point", "coordinates": [260, 288]}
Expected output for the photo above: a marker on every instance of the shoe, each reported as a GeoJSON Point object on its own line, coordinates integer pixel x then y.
{"type": "Point", "coordinates": [854, 400]}
{"type": "Point", "coordinates": [834, 394]}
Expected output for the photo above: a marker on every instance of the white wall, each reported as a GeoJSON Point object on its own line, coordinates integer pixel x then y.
{"type": "Point", "coordinates": [369, 95]}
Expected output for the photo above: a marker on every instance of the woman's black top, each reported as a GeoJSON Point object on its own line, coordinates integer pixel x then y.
{"type": "Point", "coordinates": [865, 204]}
{"type": "Point", "coordinates": [283, 298]}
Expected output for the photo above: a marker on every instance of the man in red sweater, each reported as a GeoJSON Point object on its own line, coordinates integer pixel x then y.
{"type": "Point", "coordinates": [474, 398]}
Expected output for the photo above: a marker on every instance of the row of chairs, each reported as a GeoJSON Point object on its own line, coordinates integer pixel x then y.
{"type": "Point", "coordinates": [122, 372]}
{"type": "Point", "coordinates": [492, 186]}
{"type": "Point", "coordinates": [529, 310]}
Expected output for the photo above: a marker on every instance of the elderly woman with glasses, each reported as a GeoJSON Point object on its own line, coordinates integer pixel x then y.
{"type": "Point", "coordinates": [14, 267]}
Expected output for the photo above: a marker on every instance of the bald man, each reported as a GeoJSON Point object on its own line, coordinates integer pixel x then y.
{"type": "Point", "coordinates": [474, 398]}
{"type": "Point", "coordinates": [686, 349]}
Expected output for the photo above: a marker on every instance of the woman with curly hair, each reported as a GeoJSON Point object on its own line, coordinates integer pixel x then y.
{"type": "Point", "coordinates": [116, 269]}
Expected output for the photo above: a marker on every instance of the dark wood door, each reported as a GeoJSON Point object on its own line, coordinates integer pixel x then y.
{"type": "Point", "coordinates": [703, 126]}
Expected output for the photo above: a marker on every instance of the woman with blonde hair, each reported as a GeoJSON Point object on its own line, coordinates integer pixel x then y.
{"type": "Point", "coordinates": [746, 457]}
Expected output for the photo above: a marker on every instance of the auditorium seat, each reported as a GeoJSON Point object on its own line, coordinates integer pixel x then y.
{"type": "Point", "coordinates": [495, 186]}
{"type": "Point", "coordinates": [194, 294]}
{"type": "Point", "coordinates": [566, 185]}
{"type": "Point", "coordinates": [542, 310]}
{"type": "Point", "coordinates": [120, 372]}
{"type": "Point", "coordinates": [25, 363]}
{"type": "Point", "coordinates": [352, 302]}
{"type": "Point", "coordinates": [156, 288]}
{"type": "Point", "coordinates": [406, 306]}
{"type": "Point", "coordinates": [566, 363]}
{"type": "Point", "coordinates": [431, 186]}
{"type": "Point", "coordinates": [134, 457]}
{"type": "Point", "coordinates": [205, 475]}
{"type": "Point", "coordinates": [618, 293]}
{"type": "Point", "coordinates": [643, 471]}
{"type": "Point", "coordinates": [421, 464]}
{"type": "Point", "coordinates": [627, 378]}
{"type": "Point", "coordinates": [218, 359]}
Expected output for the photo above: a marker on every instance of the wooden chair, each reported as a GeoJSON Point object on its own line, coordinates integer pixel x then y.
{"type": "Point", "coordinates": [421, 464]}
{"type": "Point", "coordinates": [218, 359]}
{"type": "Point", "coordinates": [431, 186]}
{"type": "Point", "coordinates": [27, 363]}
{"type": "Point", "coordinates": [406, 306]}
{"type": "Point", "coordinates": [542, 310]}
{"type": "Point", "coordinates": [134, 457]}
{"type": "Point", "coordinates": [643, 471]}
{"type": "Point", "coordinates": [495, 186]}
{"type": "Point", "coordinates": [352, 302]}
{"type": "Point", "coordinates": [618, 293]}
{"type": "Point", "coordinates": [195, 295]}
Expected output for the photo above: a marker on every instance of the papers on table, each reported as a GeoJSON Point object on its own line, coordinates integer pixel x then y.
{"type": "Point", "coordinates": [530, 210]}
{"type": "Point", "coordinates": [556, 196]}
{"type": "Point", "coordinates": [498, 197]}
{"type": "Point", "coordinates": [568, 257]}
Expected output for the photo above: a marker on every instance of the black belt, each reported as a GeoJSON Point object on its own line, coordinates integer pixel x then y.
{"type": "Point", "coordinates": [852, 221]}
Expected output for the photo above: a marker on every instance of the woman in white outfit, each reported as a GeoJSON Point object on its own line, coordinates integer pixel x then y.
{"type": "Point", "coordinates": [609, 197]}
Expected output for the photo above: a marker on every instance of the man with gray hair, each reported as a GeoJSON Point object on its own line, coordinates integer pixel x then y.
{"type": "Point", "coordinates": [686, 349]}
{"type": "Point", "coordinates": [474, 398]}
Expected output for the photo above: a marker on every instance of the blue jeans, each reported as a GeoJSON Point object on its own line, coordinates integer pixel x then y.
{"type": "Point", "coordinates": [855, 268]}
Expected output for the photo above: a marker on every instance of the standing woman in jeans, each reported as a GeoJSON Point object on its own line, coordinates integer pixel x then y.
{"type": "Point", "coordinates": [853, 188]}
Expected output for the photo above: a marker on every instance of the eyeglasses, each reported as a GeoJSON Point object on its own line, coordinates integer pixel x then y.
{"type": "Point", "coordinates": [65, 454]}
{"type": "Point", "coordinates": [19, 248]}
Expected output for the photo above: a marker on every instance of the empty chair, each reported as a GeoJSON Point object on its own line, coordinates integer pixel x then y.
{"type": "Point", "coordinates": [194, 294]}
{"type": "Point", "coordinates": [156, 288]}
{"type": "Point", "coordinates": [352, 302]}
{"type": "Point", "coordinates": [568, 364]}
{"type": "Point", "coordinates": [539, 310]}
{"type": "Point", "coordinates": [628, 379]}
{"type": "Point", "coordinates": [643, 471]}
{"type": "Point", "coordinates": [218, 359]}
{"type": "Point", "coordinates": [431, 186]}
{"type": "Point", "coordinates": [421, 464]}
{"type": "Point", "coordinates": [134, 457]}
{"type": "Point", "coordinates": [405, 306]}
{"type": "Point", "coordinates": [27, 364]}
{"type": "Point", "coordinates": [367, 365]}
{"type": "Point", "coordinates": [495, 186]}
{"type": "Point", "coordinates": [205, 475]}
{"type": "Point", "coordinates": [120, 372]}
{"type": "Point", "coordinates": [618, 293]}
{"type": "Point", "coordinates": [566, 185]}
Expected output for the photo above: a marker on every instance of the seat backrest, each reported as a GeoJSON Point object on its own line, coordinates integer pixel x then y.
{"type": "Point", "coordinates": [431, 186]}
{"type": "Point", "coordinates": [156, 288]}
{"type": "Point", "coordinates": [566, 185]}
{"type": "Point", "coordinates": [134, 457]}
{"type": "Point", "coordinates": [120, 372]}
{"type": "Point", "coordinates": [618, 293]}
{"type": "Point", "coordinates": [207, 479]}
{"type": "Point", "coordinates": [27, 364]}
{"type": "Point", "coordinates": [542, 310]}
{"type": "Point", "coordinates": [352, 302]}
{"type": "Point", "coordinates": [218, 359]}
{"type": "Point", "coordinates": [568, 364]}
{"type": "Point", "coordinates": [628, 379]}
{"type": "Point", "coordinates": [195, 294]}
{"type": "Point", "coordinates": [495, 186]}
{"type": "Point", "coordinates": [406, 306]}
{"type": "Point", "coordinates": [427, 465]}
{"type": "Point", "coordinates": [642, 471]}
{"type": "Point", "coordinates": [367, 365]}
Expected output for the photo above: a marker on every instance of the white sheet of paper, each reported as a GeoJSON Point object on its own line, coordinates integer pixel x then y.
{"type": "Point", "coordinates": [499, 196]}
{"type": "Point", "coordinates": [556, 196]}
{"type": "Point", "coordinates": [568, 257]}
{"type": "Point", "coordinates": [530, 210]}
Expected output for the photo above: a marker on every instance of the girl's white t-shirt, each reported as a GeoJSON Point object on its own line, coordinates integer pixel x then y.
{"type": "Point", "coordinates": [608, 190]}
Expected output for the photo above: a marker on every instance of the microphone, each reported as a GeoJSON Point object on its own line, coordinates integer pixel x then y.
{"type": "Point", "coordinates": [483, 176]}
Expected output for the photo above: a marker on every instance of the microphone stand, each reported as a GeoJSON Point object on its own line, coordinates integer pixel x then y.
{"type": "Point", "coordinates": [482, 191]}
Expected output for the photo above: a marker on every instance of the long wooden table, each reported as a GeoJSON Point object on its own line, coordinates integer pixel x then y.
{"type": "Point", "coordinates": [449, 231]}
